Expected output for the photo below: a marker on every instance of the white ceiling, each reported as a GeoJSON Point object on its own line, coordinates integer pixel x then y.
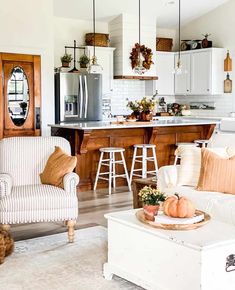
{"type": "Point", "coordinates": [165, 13]}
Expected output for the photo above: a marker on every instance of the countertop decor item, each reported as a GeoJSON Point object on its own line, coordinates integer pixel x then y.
{"type": "Point", "coordinates": [66, 59]}
{"type": "Point", "coordinates": [84, 61]}
{"type": "Point", "coordinates": [143, 108]}
{"type": "Point", "coordinates": [151, 198]}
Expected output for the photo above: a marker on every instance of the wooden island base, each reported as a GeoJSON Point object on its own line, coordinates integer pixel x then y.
{"type": "Point", "coordinates": [85, 144]}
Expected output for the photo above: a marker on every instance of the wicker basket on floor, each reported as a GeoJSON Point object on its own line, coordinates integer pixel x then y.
{"type": "Point", "coordinates": [164, 44]}
{"type": "Point", "coordinates": [101, 39]}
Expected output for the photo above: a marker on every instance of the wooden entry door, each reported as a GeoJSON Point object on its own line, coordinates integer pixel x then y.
{"type": "Point", "coordinates": [20, 95]}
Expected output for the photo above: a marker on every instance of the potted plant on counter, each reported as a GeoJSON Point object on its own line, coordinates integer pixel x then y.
{"type": "Point", "coordinates": [143, 109]}
{"type": "Point", "coordinates": [151, 198]}
{"type": "Point", "coordinates": [84, 61]}
{"type": "Point", "coordinates": [66, 59]}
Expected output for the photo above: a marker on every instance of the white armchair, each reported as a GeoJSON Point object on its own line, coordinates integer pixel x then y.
{"type": "Point", "coordinates": [23, 199]}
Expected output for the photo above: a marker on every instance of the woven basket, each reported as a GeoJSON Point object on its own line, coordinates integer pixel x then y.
{"type": "Point", "coordinates": [101, 39]}
{"type": "Point", "coordinates": [164, 44]}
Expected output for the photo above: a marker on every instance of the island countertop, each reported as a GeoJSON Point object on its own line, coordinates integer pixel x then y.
{"type": "Point", "coordinates": [86, 139]}
{"type": "Point", "coordinates": [161, 122]}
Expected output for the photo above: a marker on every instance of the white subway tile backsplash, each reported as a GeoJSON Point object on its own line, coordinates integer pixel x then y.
{"type": "Point", "coordinates": [224, 104]}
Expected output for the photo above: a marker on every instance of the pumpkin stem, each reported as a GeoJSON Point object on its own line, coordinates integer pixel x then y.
{"type": "Point", "coordinates": [177, 195]}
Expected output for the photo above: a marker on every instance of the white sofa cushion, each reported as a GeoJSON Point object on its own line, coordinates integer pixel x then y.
{"type": "Point", "coordinates": [190, 164]}
{"type": "Point", "coordinates": [220, 206]}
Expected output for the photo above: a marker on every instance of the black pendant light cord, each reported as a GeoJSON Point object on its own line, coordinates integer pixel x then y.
{"type": "Point", "coordinates": [94, 27]}
{"type": "Point", "coordinates": [179, 29]}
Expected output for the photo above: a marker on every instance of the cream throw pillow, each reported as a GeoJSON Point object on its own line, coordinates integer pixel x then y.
{"type": "Point", "coordinates": [190, 164]}
{"type": "Point", "coordinates": [217, 174]}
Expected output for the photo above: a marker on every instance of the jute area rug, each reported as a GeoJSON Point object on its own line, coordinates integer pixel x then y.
{"type": "Point", "coordinates": [50, 263]}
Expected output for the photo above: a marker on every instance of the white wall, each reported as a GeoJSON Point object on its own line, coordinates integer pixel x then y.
{"type": "Point", "coordinates": [220, 24]}
{"type": "Point", "coordinates": [27, 27]}
{"type": "Point", "coordinates": [67, 30]}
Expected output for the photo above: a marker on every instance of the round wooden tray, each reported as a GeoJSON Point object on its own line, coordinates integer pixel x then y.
{"type": "Point", "coordinates": [176, 227]}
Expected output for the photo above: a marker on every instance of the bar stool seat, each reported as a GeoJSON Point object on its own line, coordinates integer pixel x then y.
{"type": "Point", "coordinates": [143, 158]}
{"type": "Point", "coordinates": [202, 142]}
{"type": "Point", "coordinates": [111, 162]}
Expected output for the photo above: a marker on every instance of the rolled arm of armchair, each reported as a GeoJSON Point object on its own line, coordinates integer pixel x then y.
{"type": "Point", "coordinates": [5, 185]}
{"type": "Point", "coordinates": [167, 177]}
{"type": "Point", "coordinates": [70, 182]}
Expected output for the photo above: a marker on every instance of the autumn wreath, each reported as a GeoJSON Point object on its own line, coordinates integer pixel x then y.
{"type": "Point", "coordinates": [146, 54]}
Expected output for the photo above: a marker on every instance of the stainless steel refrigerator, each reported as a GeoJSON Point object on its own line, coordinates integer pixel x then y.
{"type": "Point", "coordinates": [78, 97]}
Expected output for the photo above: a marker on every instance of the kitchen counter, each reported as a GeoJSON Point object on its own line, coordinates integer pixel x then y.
{"type": "Point", "coordinates": [168, 122]}
{"type": "Point", "coordinates": [86, 138]}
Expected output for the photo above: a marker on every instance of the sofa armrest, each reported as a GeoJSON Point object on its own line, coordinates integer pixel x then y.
{"type": "Point", "coordinates": [167, 177]}
{"type": "Point", "coordinates": [70, 182]}
{"type": "Point", "coordinates": [5, 185]}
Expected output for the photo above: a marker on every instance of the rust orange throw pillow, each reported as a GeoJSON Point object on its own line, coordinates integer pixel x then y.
{"type": "Point", "coordinates": [58, 165]}
{"type": "Point", "coordinates": [217, 173]}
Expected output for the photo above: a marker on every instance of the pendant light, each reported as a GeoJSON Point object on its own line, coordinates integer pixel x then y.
{"type": "Point", "coordinates": [178, 69]}
{"type": "Point", "coordinates": [139, 69]}
{"type": "Point", "coordinates": [94, 66]}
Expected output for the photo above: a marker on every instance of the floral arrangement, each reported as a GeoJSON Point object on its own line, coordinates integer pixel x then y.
{"type": "Point", "coordinates": [176, 109]}
{"type": "Point", "coordinates": [145, 105]}
{"type": "Point", "coordinates": [146, 54]}
{"type": "Point", "coordinates": [151, 196]}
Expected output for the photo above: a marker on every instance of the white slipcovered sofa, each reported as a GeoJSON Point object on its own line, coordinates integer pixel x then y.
{"type": "Point", "coordinates": [23, 199]}
{"type": "Point", "coordinates": [219, 205]}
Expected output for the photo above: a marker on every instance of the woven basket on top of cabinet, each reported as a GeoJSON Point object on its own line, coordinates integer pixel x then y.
{"type": "Point", "coordinates": [164, 44]}
{"type": "Point", "coordinates": [101, 39]}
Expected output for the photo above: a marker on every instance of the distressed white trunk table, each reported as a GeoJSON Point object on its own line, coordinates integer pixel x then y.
{"type": "Point", "coordinates": [170, 260]}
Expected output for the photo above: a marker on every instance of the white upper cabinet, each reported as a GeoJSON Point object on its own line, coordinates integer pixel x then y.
{"type": "Point", "coordinates": [202, 72]}
{"type": "Point", "coordinates": [182, 81]}
{"type": "Point", "coordinates": [165, 69]}
{"type": "Point", "coordinates": [105, 59]}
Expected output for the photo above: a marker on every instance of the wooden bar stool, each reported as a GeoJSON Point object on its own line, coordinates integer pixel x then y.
{"type": "Point", "coordinates": [111, 162]}
{"type": "Point", "coordinates": [177, 156]}
{"type": "Point", "coordinates": [143, 159]}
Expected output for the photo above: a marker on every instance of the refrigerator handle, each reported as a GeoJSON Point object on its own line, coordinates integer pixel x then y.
{"type": "Point", "coordinates": [86, 97]}
{"type": "Point", "coordinates": [81, 97]}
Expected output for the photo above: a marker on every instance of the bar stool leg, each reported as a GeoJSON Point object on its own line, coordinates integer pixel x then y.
{"type": "Point", "coordinates": [110, 172]}
{"type": "Point", "coordinates": [114, 170]}
{"type": "Point", "coordinates": [144, 163]}
{"type": "Point", "coordinates": [126, 172]}
{"type": "Point", "coordinates": [98, 170]}
{"type": "Point", "coordinates": [133, 164]}
{"type": "Point", "coordinates": [155, 160]}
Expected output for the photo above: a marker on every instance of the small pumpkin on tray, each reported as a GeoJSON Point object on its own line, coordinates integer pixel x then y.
{"type": "Point", "coordinates": [178, 207]}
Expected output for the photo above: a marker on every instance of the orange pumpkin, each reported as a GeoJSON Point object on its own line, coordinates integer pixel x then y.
{"type": "Point", "coordinates": [178, 207]}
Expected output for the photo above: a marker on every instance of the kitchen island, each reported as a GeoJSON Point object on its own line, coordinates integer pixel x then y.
{"type": "Point", "coordinates": [86, 138]}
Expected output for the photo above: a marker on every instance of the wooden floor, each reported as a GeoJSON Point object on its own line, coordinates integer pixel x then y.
{"type": "Point", "coordinates": [92, 207]}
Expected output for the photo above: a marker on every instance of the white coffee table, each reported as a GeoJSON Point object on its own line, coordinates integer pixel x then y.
{"type": "Point", "coordinates": [169, 260]}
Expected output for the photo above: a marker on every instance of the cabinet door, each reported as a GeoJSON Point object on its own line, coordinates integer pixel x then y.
{"type": "Point", "coordinates": [201, 73]}
{"type": "Point", "coordinates": [182, 80]}
{"type": "Point", "coordinates": [105, 59]}
{"type": "Point", "coordinates": [165, 69]}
